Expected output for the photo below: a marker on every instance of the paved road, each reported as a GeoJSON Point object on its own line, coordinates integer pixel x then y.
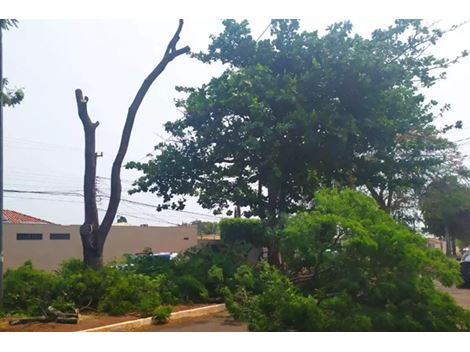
{"type": "Point", "coordinates": [461, 295]}
{"type": "Point", "coordinates": [219, 322]}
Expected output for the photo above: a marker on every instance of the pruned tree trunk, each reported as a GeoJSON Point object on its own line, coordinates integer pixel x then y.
{"type": "Point", "coordinates": [92, 233]}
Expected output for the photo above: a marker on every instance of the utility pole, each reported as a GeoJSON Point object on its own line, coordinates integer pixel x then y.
{"type": "Point", "coordinates": [1, 168]}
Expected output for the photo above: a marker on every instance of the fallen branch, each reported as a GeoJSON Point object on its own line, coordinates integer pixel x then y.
{"type": "Point", "coordinates": [52, 315]}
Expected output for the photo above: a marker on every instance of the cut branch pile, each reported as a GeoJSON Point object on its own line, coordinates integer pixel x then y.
{"type": "Point", "coordinates": [52, 315]}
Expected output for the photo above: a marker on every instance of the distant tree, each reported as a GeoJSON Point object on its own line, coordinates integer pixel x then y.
{"type": "Point", "coordinates": [300, 111]}
{"type": "Point", "coordinates": [445, 206]}
{"type": "Point", "coordinates": [206, 227]}
{"type": "Point", "coordinates": [93, 234]}
{"type": "Point", "coordinates": [9, 97]}
{"type": "Point", "coordinates": [121, 219]}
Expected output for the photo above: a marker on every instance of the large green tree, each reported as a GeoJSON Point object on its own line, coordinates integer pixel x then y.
{"type": "Point", "coordinates": [300, 110]}
{"type": "Point", "coordinates": [445, 206]}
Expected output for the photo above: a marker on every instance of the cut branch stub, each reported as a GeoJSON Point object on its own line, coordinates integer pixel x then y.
{"type": "Point", "coordinates": [83, 111]}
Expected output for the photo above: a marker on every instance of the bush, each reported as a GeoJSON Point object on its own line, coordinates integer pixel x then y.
{"type": "Point", "coordinates": [210, 265]}
{"type": "Point", "coordinates": [80, 284]}
{"type": "Point", "coordinates": [189, 289]}
{"type": "Point", "coordinates": [268, 301]}
{"type": "Point", "coordinates": [147, 264]}
{"type": "Point", "coordinates": [240, 229]}
{"type": "Point", "coordinates": [356, 269]}
{"type": "Point", "coordinates": [129, 293]}
{"type": "Point", "coordinates": [161, 314]}
{"type": "Point", "coordinates": [28, 290]}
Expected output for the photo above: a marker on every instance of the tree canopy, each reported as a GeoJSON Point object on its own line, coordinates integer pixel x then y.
{"type": "Point", "coordinates": [445, 206]}
{"type": "Point", "coordinates": [349, 267]}
{"type": "Point", "coordinates": [302, 110]}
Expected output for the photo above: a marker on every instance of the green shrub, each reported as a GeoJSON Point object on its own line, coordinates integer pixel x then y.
{"type": "Point", "coordinates": [161, 314]}
{"type": "Point", "coordinates": [129, 293]}
{"type": "Point", "coordinates": [190, 289]}
{"type": "Point", "coordinates": [268, 301]}
{"type": "Point", "coordinates": [147, 264]}
{"type": "Point", "coordinates": [241, 229]}
{"type": "Point", "coordinates": [28, 290]}
{"type": "Point", "coordinates": [210, 265]}
{"type": "Point", "coordinates": [80, 284]}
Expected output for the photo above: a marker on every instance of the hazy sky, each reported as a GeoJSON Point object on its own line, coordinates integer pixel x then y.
{"type": "Point", "coordinates": [108, 59]}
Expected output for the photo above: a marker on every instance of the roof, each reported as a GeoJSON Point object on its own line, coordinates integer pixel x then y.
{"type": "Point", "coordinates": [14, 217]}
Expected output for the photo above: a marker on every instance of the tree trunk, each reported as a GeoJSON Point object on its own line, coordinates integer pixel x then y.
{"type": "Point", "coordinates": [93, 234]}
{"type": "Point", "coordinates": [88, 231]}
{"type": "Point", "coordinates": [448, 242]}
{"type": "Point", "coordinates": [454, 246]}
{"type": "Point", "coordinates": [274, 252]}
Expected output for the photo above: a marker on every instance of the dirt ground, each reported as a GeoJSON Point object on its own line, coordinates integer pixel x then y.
{"type": "Point", "coordinates": [86, 321]}
{"type": "Point", "coordinates": [218, 322]}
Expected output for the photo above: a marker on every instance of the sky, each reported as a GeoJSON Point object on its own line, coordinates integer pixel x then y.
{"type": "Point", "coordinates": [108, 60]}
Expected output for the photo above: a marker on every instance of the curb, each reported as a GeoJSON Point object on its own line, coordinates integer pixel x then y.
{"type": "Point", "coordinates": [132, 324]}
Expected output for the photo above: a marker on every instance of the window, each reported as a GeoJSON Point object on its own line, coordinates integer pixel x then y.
{"type": "Point", "coordinates": [59, 236]}
{"type": "Point", "coordinates": [28, 236]}
{"type": "Point", "coordinates": [186, 238]}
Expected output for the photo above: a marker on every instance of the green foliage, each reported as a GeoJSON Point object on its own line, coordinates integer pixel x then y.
{"type": "Point", "coordinates": [80, 284]}
{"type": "Point", "coordinates": [9, 97]}
{"type": "Point", "coordinates": [356, 270]}
{"type": "Point", "coordinates": [268, 301]}
{"type": "Point", "coordinates": [121, 219]}
{"type": "Point", "coordinates": [240, 229]}
{"type": "Point", "coordinates": [301, 110]}
{"type": "Point", "coordinates": [210, 265]}
{"type": "Point", "coordinates": [147, 264]}
{"type": "Point", "coordinates": [161, 314]}
{"type": "Point", "coordinates": [190, 289]}
{"type": "Point", "coordinates": [127, 292]}
{"type": "Point", "coordinates": [206, 227]}
{"type": "Point", "coordinates": [446, 203]}
{"type": "Point", "coordinates": [28, 290]}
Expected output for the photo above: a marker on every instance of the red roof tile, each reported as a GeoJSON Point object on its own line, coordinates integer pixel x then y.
{"type": "Point", "coordinates": [13, 217]}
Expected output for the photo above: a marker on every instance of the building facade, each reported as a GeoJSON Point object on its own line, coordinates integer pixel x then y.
{"type": "Point", "coordinates": [47, 245]}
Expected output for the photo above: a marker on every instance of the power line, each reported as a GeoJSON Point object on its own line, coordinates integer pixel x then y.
{"type": "Point", "coordinates": [56, 193]}
{"type": "Point", "coordinates": [77, 194]}
{"type": "Point", "coordinates": [462, 140]}
{"type": "Point", "coordinates": [269, 25]}
{"type": "Point", "coordinates": [50, 200]}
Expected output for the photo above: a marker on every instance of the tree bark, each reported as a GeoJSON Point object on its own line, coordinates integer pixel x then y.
{"type": "Point", "coordinates": [88, 231]}
{"type": "Point", "coordinates": [93, 234]}
{"type": "Point", "coordinates": [448, 242]}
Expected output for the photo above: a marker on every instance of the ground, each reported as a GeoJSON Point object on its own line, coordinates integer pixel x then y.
{"type": "Point", "coordinates": [462, 296]}
{"type": "Point", "coordinates": [219, 322]}
{"type": "Point", "coordinates": [87, 321]}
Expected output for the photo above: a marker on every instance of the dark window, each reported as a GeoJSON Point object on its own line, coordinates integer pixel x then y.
{"type": "Point", "coordinates": [28, 236]}
{"type": "Point", "coordinates": [59, 236]}
{"type": "Point", "coordinates": [186, 238]}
